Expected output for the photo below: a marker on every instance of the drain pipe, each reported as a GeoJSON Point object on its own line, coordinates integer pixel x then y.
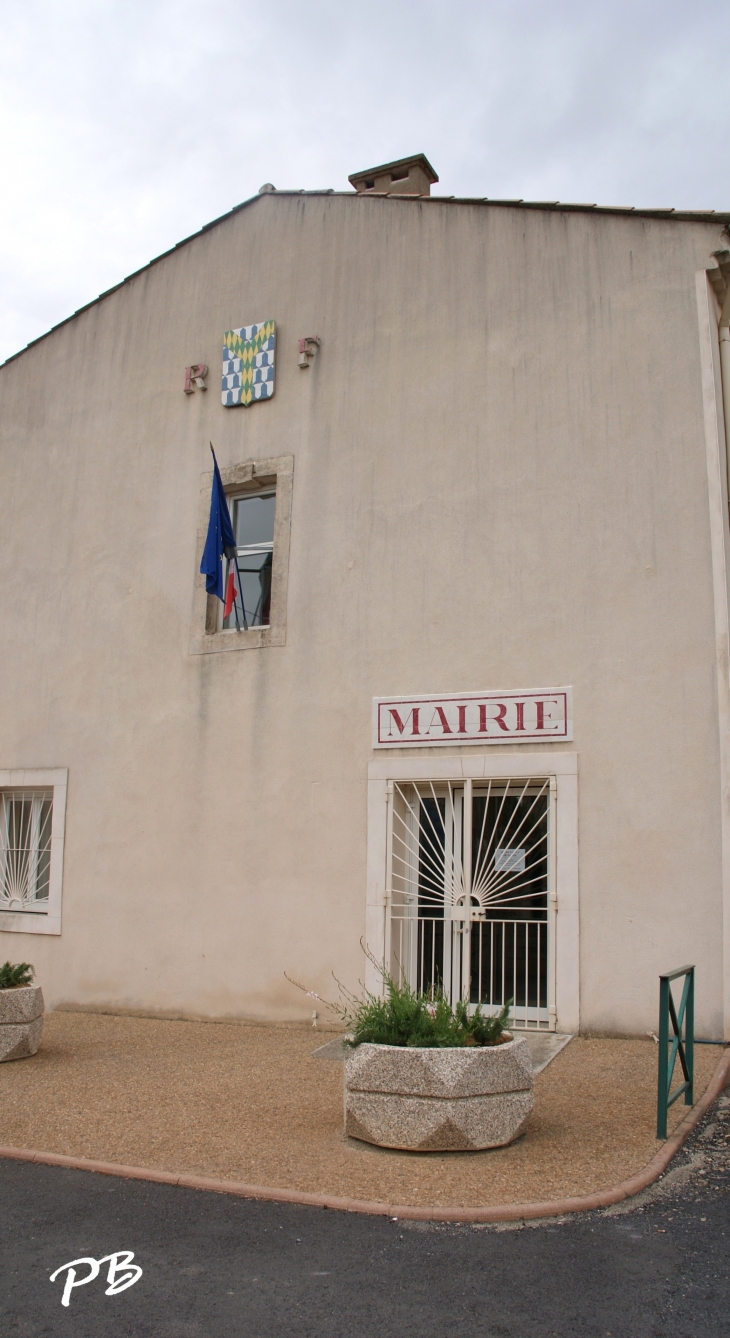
{"type": "Point", "coordinates": [719, 278]}
{"type": "Point", "coordinates": [724, 333]}
{"type": "Point", "coordinates": [722, 273]}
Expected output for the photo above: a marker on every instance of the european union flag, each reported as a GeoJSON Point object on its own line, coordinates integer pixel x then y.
{"type": "Point", "coordinates": [220, 541]}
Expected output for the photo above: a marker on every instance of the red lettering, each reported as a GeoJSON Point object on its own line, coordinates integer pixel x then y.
{"type": "Point", "coordinates": [395, 718]}
{"type": "Point", "coordinates": [541, 712]}
{"type": "Point", "coordinates": [453, 718]}
{"type": "Point", "coordinates": [400, 725]}
{"type": "Point", "coordinates": [498, 718]}
{"type": "Point", "coordinates": [445, 726]}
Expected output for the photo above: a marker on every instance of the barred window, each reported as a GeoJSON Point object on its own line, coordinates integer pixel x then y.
{"type": "Point", "coordinates": [25, 849]}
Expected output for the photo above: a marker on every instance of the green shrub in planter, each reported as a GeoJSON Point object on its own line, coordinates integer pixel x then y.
{"type": "Point", "coordinates": [12, 977]}
{"type": "Point", "coordinates": [21, 1011]}
{"type": "Point", "coordinates": [410, 1018]}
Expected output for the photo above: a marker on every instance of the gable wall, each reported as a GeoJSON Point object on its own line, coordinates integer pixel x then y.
{"type": "Point", "coordinates": [499, 481]}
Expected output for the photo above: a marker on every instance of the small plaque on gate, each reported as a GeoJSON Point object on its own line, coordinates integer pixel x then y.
{"type": "Point", "coordinates": [509, 861]}
{"type": "Point", "coordinates": [533, 716]}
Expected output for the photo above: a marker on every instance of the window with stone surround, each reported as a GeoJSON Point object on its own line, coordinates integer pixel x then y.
{"type": "Point", "coordinates": [259, 496]}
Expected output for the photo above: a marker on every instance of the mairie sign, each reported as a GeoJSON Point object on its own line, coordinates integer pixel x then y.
{"type": "Point", "coordinates": [542, 715]}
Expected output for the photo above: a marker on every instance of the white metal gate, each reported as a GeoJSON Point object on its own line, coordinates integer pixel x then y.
{"type": "Point", "coordinates": [470, 895]}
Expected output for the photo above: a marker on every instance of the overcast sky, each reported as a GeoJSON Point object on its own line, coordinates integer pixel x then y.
{"type": "Point", "coordinates": [127, 125]}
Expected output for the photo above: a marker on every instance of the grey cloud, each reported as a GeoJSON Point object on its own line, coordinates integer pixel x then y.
{"type": "Point", "coordinates": [128, 125]}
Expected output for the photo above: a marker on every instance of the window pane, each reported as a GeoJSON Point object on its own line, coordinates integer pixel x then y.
{"type": "Point", "coordinates": [255, 578]}
{"type": "Point", "coordinates": [25, 848]}
{"type": "Point", "coordinates": [431, 883]}
{"type": "Point", "coordinates": [43, 875]}
{"type": "Point", "coordinates": [253, 519]}
{"type": "Point", "coordinates": [253, 523]}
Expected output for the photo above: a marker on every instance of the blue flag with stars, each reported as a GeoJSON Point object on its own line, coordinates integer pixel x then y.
{"type": "Point", "coordinates": [220, 541]}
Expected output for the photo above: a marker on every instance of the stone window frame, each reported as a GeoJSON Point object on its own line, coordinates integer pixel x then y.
{"type": "Point", "coordinates": [47, 921]}
{"type": "Point", "coordinates": [251, 475]}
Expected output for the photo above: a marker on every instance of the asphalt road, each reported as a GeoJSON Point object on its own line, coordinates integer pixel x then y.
{"type": "Point", "coordinates": [218, 1267]}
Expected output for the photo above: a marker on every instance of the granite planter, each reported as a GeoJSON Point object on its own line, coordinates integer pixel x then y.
{"type": "Point", "coordinates": [21, 1021]}
{"type": "Point", "coordinates": [438, 1100]}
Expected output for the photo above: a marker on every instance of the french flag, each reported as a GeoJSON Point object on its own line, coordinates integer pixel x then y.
{"type": "Point", "coordinates": [231, 591]}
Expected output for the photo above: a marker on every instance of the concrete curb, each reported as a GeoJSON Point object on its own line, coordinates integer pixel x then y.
{"type": "Point", "coordinates": [505, 1212]}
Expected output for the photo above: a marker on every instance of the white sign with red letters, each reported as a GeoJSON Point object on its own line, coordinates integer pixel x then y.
{"type": "Point", "coordinates": [542, 715]}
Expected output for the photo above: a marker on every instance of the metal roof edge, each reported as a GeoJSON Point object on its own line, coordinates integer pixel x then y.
{"type": "Point", "coordinates": [554, 206]}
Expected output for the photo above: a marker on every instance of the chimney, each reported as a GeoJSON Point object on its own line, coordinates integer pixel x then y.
{"type": "Point", "coordinates": [408, 176]}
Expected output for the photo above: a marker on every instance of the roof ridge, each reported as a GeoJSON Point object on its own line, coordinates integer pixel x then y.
{"type": "Point", "coordinates": [680, 215]}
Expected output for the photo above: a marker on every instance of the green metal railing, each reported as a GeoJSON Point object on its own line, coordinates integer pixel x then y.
{"type": "Point", "coordinates": [682, 1043]}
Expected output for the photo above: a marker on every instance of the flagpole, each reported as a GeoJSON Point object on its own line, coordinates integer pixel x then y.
{"type": "Point", "coordinates": [240, 591]}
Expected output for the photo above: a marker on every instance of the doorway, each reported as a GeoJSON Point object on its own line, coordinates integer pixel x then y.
{"type": "Point", "coordinates": [470, 892]}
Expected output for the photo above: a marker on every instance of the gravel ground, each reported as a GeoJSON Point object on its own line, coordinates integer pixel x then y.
{"type": "Point", "coordinates": [251, 1104]}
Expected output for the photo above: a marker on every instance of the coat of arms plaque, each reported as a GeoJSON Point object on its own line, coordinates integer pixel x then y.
{"type": "Point", "coordinates": [248, 364]}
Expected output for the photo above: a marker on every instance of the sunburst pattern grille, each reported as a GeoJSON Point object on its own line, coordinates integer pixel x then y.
{"type": "Point", "coordinates": [25, 849]}
{"type": "Point", "coordinates": [468, 894]}
{"type": "Point", "coordinates": [508, 840]}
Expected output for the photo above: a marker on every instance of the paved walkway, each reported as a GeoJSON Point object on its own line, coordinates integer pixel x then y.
{"type": "Point", "coordinates": [220, 1267]}
{"type": "Point", "coordinates": [251, 1104]}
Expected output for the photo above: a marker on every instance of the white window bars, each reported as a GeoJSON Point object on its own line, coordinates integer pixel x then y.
{"type": "Point", "coordinates": [470, 892]}
{"type": "Point", "coordinates": [26, 818]}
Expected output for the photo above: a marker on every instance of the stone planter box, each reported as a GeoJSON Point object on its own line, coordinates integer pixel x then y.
{"type": "Point", "coordinates": [21, 1021]}
{"type": "Point", "coordinates": [438, 1100]}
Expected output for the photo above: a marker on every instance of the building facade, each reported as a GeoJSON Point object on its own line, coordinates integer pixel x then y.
{"type": "Point", "coordinates": [474, 707]}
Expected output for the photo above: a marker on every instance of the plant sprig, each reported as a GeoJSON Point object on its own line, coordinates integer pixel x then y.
{"type": "Point", "coordinates": [412, 1018]}
{"type": "Point", "coordinates": [12, 976]}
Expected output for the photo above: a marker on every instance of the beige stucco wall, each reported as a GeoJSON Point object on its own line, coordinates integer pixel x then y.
{"type": "Point", "coordinates": [500, 481]}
